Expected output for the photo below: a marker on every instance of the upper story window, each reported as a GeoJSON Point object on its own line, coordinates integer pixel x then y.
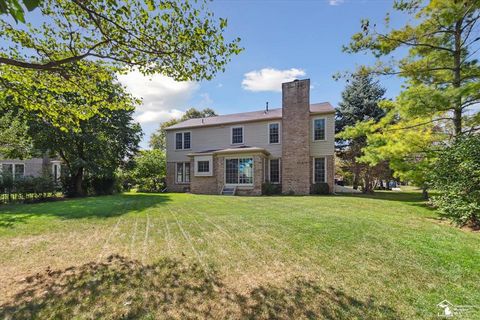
{"type": "Point", "coordinates": [183, 140]}
{"type": "Point", "coordinates": [237, 135]}
{"type": "Point", "coordinates": [319, 129]}
{"type": "Point", "coordinates": [274, 132]}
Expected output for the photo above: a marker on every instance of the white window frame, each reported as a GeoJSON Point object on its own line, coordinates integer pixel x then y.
{"type": "Point", "coordinates": [13, 168]}
{"type": "Point", "coordinates": [243, 135]}
{"type": "Point", "coordinates": [183, 168]}
{"type": "Point", "coordinates": [210, 166]}
{"type": "Point", "coordinates": [324, 168]}
{"type": "Point", "coordinates": [279, 132]}
{"type": "Point", "coordinates": [313, 128]}
{"type": "Point", "coordinates": [238, 184]}
{"type": "Point", "coordinates": [279, 170]}
{"type": "Point", "coordinates": [183, 140]}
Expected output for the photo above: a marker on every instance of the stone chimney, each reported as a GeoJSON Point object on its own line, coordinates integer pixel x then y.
{"type": "Point", "coordinates": [296, 137]}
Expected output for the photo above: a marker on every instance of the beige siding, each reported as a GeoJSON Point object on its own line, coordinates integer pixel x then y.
{"type": "Point", "coordinates": [327, 147]}
{"type": "Point", "coordinates": [219, 137]}
{"type": "Point", "coordinates": [33, 167]}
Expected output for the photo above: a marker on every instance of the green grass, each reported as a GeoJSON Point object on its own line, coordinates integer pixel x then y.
{"type": "Point", "coordinates": [384, 256]}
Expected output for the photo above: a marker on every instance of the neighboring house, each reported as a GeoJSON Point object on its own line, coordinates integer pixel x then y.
{"type": "Point", "coordinates": [31, 167]}
{"type": "Point", "coordinates": [292, 146]}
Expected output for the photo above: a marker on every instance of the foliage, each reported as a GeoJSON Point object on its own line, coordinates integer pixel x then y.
{"type": "Point", "coordinates": [360, 103]}
{"type": "Point", "coordinates": [177, 38]}
{"type": "Point", "coordinates": [441, 72]}
{"type": "Point", "coordinates": [15, 9]}
{"type": "Point", "coordinates": [320, 188]}
{"type": "Point", "coordinates": [456, 175]}
{"type": "Point", "coordinates": [269, 188]}
{"type": "Point", "coordinates": [99, 145]}
{"type": "Point", "coordinates": [26, 189]}
{"type": "Point", "coordinates": [14, 140]}
{"type": "Point", "coordinates": [158, 140]}
{"type": "Point", "coordinates": [150, 170]}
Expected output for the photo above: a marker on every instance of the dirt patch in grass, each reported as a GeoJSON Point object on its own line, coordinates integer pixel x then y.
{"type": "Point", "coordinates": [121, 288]}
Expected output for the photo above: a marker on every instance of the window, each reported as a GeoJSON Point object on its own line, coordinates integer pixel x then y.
{"type": "Point", "coordinates": [203, 166]}
{"type": "Point", "coordinates": [318, 129]}
{"type": "Point", "coordinates": [237, 135]}
{"type": "Point", "coordinates": [183, 172]}
{"type": "Point", "coordinates": [183, 140]}
{"type": "Point", "coordinates": [274, 132]}
{"type": "Point", "coordinates": [56, 169]}
{"type": "Point", "coordinates": [275, 170]}
{"type": "Point", "coordinates": [19, 171]}
{"type": "Point", "coordinates": [319, 170]}
{"type": "Point", "coordinates": [239, 171]}
{"type": "Point", "coordinates": [13, 170]}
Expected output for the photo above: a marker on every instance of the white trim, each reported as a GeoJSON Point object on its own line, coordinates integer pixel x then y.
{"type": "Point", "coordinates": [231, 135]}
{"type": "Point", "coordinates": [324, 168]}
{"type": "Point", "coordinates": [210, 166]}
{"type": "Point", "coordinates": [56, 164]}
{"type": "Point", "coordinates": [183, 140]}
{"type": "Point", "coordinates": [279, 170]}
{"type": "Point", "coordinates": [238, 184]}
{"type": "Point", "coordinates": [279, 132]}
{"type": "Point", "coordinates": [324, 128]}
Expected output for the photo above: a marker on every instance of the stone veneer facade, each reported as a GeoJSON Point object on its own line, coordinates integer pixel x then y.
{"type": "Point", "coordinates": [295, 137]}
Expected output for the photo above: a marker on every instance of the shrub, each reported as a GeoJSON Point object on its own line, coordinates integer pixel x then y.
{"type": "Point", "coordinates": [269, 188]}
{"type": "Point", "coordinates": [456, 175]}
{"type": "Point", "coordinates": [320, 188]}
{"type": "Point", "coordinates": [103, 185]}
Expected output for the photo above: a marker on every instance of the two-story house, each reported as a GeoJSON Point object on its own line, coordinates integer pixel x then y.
{"type": "Point", "coordinates": [292, 146]}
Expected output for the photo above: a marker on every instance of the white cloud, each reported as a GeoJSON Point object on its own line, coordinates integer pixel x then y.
{"type": "Point", "coordinates": [162, 97]}
{"type": "Point", "coordinates": [335, 2]}
{"type": "Point", "coordinates": [269, 79]}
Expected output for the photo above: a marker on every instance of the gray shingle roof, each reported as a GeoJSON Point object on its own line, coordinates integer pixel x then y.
{"type": "Point", "coordinates": [316, 108]}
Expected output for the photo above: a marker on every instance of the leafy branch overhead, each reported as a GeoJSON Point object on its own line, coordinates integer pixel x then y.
{"type": "Point", "coordinates": [177, 38]}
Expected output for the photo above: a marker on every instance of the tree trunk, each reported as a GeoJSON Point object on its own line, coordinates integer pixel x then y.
{"type": "Point", "coordinates": [77, 181]}
{"type": "Point", "coordinates": [425, 193]}
{"type": "Point", "coordinates": [356, 176]}
{"type": "Point", "coordinates": [457, 82]}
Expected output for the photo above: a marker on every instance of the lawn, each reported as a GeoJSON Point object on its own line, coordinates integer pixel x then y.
{"type": "Point", "coordinates": [181, 256]}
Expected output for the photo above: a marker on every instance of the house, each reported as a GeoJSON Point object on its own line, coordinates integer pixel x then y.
{"type": "Point", "coordinates": [33, 167]}
{"type": "Point", "coordinates": [292, 146]}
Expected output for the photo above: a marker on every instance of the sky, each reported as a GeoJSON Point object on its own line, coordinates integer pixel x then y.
{"type": "Point", "coordinates": [282, 41]}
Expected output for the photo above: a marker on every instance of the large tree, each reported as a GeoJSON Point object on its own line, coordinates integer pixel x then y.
{"type": "Point", "coordinates": [98, 145]}
{"type": "Point", "coordinates": [178, 38]}
{"type": "Point", "coordinates": [359, 103]}
{"type": "Point", "coordinates": [441, 75]}
{"type": "Point", "coordinates": [158, 140]}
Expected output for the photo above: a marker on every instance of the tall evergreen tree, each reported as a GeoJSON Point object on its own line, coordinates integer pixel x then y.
{"type": "Point", "coordinates": [359, 103]}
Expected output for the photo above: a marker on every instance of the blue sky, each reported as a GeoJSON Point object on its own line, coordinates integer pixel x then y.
{"type": "Point", "coordinates": [282, 40]}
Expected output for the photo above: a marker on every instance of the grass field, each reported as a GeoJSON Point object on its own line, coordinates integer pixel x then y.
{"type": "Point", "coordinates": [150, 256]}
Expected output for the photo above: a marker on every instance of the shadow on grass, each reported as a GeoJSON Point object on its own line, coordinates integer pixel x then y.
{"type": "Point", "coordinates": [121, 288]}
{"type": "Point", "coordinates": [80, 208]}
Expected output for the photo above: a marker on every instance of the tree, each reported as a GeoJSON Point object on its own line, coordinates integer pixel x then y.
{"type": "Point", "coordinates": [98, 146]}
{"type": "Point", "coordinates": [158, 140]}
{"type": "Point", "coordinates": [150, 170]}
{"type": "Point", "coordinates": [175, 38]}
{"type": "Point", "coordinates": [359, 103]}
{"type": "Point", "coordinates": [441, 75]}
{"type": "Point", "coordinates": [456, 174]}
{"type": "Point", "coordinates": [15, 141]}
{"type": "Point", "coordinates": [15, 10]}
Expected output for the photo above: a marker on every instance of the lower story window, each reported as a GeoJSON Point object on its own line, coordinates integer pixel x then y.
{"type": "Point", "coordinates": [183, 172]}
{"type": "Point", "coordinates": [239, 171]}
{"type": "Point", "coordinates": [14, 170]}
{"type": "Point", "coordinates": [203, 166]}
{"type": "Point", "coordinates": [319, 173]}
{"type": "Point", "coordinates": [275, 170]}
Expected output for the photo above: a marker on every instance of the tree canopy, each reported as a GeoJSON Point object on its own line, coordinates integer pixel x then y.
{"type": "Point", "coordinates": [442, 82]}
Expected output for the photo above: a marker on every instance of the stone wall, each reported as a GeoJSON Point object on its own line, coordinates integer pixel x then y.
{"type": "Point", "coordinates": [296, 137]}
